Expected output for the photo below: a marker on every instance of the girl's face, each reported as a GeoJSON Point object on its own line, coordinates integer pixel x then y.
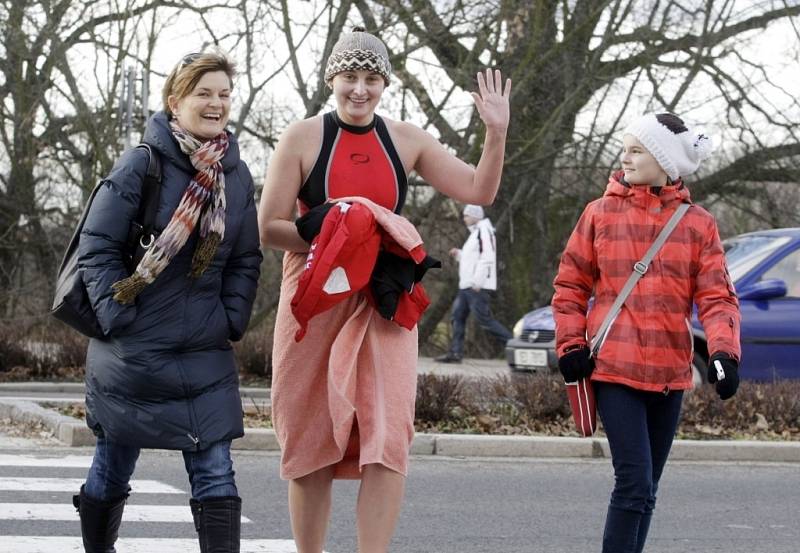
{"type": "Point", "coordinates": [205, 111]}
{"type": "Point", "coordinates": [639, 165]}
{"type": "Point", "coordinates": [357, 95]}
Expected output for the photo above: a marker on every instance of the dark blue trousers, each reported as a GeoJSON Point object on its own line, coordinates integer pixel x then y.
{"type": "Point", "coordinates": [210, 471]}
{"type": "Point", "coordinates": [640, 427]}
{"type": "Point", "coordinates": [469, 301]}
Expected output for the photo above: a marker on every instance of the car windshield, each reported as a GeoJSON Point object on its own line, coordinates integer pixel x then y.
{"type": "Point", "coordinates": [745, 252]}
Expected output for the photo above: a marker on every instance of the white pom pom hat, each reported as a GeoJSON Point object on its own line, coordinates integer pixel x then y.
{"type": "Point", "coordinates": [677, 154]}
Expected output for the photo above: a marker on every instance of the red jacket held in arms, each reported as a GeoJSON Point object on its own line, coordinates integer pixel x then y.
{"type": "Point", "coordinates": [342, 258]}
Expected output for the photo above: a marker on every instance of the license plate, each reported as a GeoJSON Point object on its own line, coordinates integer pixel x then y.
{"type": "Point", "coordinates": [530, 357]}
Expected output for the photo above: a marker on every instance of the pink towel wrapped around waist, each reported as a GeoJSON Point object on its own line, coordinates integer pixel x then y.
{"type": "Point", "coordinates": [344, 395]}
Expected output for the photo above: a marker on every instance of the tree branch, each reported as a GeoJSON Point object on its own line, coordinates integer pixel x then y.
{"type": "Point", "coordinates": [658, 44]}
{"type": "Point", "coordinates": [755, 167]}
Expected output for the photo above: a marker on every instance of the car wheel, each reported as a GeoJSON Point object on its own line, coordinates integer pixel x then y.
{"type": "Point", "coordinates": [699, 371]}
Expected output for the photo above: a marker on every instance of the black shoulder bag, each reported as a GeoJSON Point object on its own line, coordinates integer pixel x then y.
{"type": "Point", "coordinates": [71, 302]}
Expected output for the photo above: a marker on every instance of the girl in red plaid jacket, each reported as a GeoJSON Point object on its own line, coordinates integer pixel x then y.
{"type": "Point", "coordinates": [644, 364]}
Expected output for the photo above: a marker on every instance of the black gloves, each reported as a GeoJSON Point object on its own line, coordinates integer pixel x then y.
{"type": "Point", "coordinates": [576, 364]}
{"type": "Point", "coordinates": [394, 275]}
{"type": "Point", "coordinates": [309, 225]}
{"type": "Point", "coordinates": [724, 370]}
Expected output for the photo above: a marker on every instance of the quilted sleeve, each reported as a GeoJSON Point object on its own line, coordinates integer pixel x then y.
{"type": "Point", "coordinates": [100, 250]}
{"type": "Point", "coordinates": [715, 297]}
{"type": "Point", "coordinates": [574, 283]}
{"type": "Point", "coordinates": [240, 276]}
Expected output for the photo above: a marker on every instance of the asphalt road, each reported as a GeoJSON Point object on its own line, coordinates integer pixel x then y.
{"type": "Point", "coordinates": [471, 506]}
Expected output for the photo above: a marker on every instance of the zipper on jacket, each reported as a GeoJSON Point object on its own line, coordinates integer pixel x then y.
{"type": "Point", "coordinates": [644, 288]}
{"type": "Point", "coordinates": [194, 435]}
{"type": "Point", "coordinates": [691, 341]}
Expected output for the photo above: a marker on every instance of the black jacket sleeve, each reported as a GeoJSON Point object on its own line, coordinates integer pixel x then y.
{"type": "Point", "coordinates": [102, 241]}
{"type": "Point", "coordinates": [240, 276]}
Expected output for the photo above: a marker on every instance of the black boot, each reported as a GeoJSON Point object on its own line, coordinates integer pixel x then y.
{"type": "Point", "coordinates": [218, 522]}
{"type": "Point", "coordinates": [99, 521]}
{"type": "Point", "coordinates": [448, 357]}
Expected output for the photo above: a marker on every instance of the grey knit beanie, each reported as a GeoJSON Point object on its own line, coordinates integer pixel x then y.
{"type": "Point", "coordinates": [358, 50]}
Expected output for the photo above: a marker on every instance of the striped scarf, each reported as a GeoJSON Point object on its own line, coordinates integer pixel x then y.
{"type": "Point", "coordinates": [204, 199]}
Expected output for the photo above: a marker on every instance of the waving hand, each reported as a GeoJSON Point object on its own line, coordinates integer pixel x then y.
{"type": "Point", "coordinates": [491, 100]}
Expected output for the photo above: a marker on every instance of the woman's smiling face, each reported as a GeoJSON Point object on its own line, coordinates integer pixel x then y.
{"type": "Point", "coordinates": [204, 112]}
{"type": "Point", "coordinates": [357, 95]}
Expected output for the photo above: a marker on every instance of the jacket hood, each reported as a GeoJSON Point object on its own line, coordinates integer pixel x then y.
{"type": "Point", "coordinates": [485, 223]}
{"type": "Point", "coordinates": [618, 187]}
{"type": "Point", "coordinates": [158, 134]}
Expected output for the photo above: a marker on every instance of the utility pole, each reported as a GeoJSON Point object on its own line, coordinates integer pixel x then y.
{"type": "Point", "coordinates": [126, 111]}
{"type": "Point", "coordinates": [145, 94]}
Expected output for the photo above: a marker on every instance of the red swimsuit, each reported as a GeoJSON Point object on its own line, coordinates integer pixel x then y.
{"type": "Point", "coordinates": [355, 161]}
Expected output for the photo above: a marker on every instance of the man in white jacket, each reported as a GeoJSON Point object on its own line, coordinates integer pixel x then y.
{"type": "Point", "coordinates": [477, 274]}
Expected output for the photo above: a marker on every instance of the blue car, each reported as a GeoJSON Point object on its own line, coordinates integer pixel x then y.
{"type": "Point", "coordinates": [764, 267]}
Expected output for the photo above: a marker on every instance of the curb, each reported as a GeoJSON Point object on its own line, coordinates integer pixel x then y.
{"type": "Point", "coordinates": [74, 433]}
{"type": "Point", "coordinates": [49, 387]}
{"type": "Point", "coordinates": [744, 450]}
{"type": "Point", "coordinates": [68, 430]}
{"type": "Point", "coordinates": [478, 445]}
{"type": "Point", "coordinates": [79, 388]}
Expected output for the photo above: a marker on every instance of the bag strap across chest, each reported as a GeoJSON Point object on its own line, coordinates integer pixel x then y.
{"type": "Point", "coordinates": [639, 269]}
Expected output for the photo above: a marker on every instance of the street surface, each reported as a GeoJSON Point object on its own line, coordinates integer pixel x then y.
{"type": "Point", "coordinates": [452, 505]}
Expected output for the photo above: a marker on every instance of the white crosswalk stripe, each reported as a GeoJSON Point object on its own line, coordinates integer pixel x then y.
{"type": "Point", "coordinates": [68, 461]}
{"type": "Point", "coordinates": [132, 513]}
{"type": "Point", "coordinates": [14, 513]}
{"type": "Point", "coordinates": [72, 484]}
{"type": "Point", "coordinates": [39, 544]}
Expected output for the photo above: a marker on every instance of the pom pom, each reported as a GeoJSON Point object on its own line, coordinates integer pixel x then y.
{"type": "Point", "coordinates": [703, 146]}
{"type": "Point", "coordinates": [359, 29]}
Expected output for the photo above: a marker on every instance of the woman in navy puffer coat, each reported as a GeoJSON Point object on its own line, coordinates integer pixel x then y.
{"type": "Point", "coordinates": [166, 377]}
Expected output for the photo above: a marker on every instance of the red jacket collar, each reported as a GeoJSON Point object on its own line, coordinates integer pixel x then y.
{"type": "Point", "coordinates": [644, 194]}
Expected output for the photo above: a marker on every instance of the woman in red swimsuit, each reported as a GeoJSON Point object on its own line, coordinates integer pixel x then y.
{"type": "Point", "coordinates": [350, 355]}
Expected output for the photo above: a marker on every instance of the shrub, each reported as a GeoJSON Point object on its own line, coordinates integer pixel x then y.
{"type": "Point", "coordinates": [41, 352]}
{"type": "Point", "coordinates": [439, 397]}
{"type": "Point", "coordinates": [55, 351]}
{"type": "Point", "coordinates": [11, 352]}
{"type": "Point", "coordinates": [254, 357]}
{"type": "Point", "coordinates": [510, 406]}
{"type": "Point", "coordinates": [758, 409]}
{"type": "Point", "coordinates": [528, 404]}
{"type": "Point", "coordinates": [538, 397]}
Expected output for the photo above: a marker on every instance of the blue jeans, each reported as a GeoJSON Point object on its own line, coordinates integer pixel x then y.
{"type": "Point", "coordinates": [640, 427]}
{"type": "Point", "coordinates": [468, 300]}
{"type": "Point", "coordinates": [210, 471]}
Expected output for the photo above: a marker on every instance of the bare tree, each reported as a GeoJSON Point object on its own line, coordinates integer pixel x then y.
{"type": "Point", "coordinates": [61, 65]}
{"type": "Point", "coordinates": [580, 69]}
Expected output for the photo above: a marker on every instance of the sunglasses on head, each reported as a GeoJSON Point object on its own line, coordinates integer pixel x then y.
{"type": "Point", "coordinates": [189, 59]}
